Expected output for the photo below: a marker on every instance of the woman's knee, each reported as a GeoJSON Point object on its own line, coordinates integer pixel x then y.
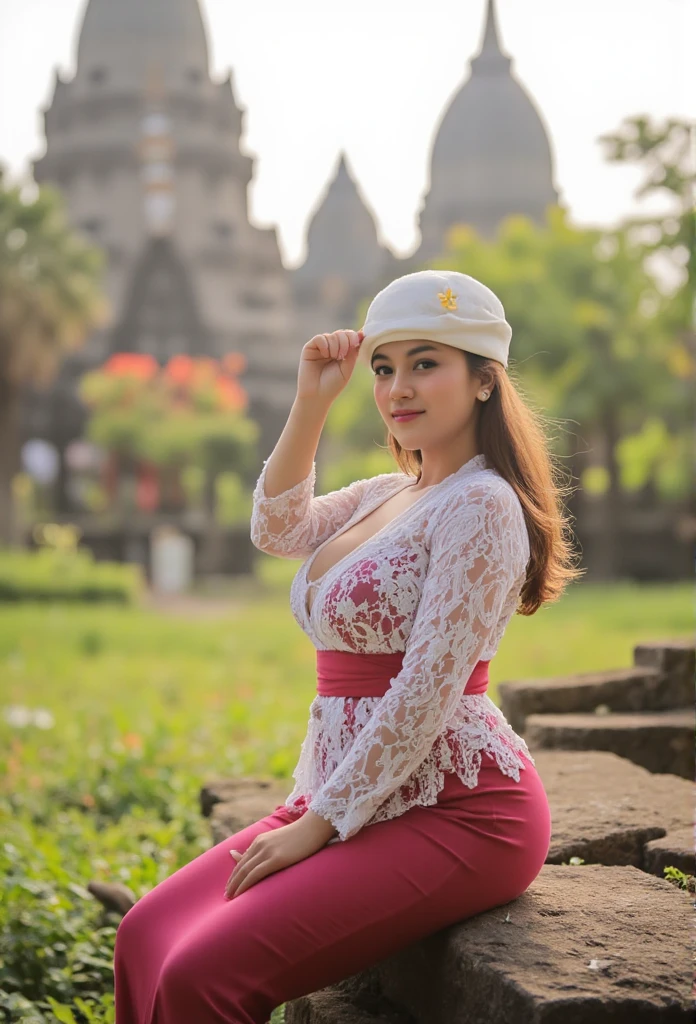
{"type": "Point", "coordinates": [132, 924]}
{"type": "Point", "coordinates": [194, 979]}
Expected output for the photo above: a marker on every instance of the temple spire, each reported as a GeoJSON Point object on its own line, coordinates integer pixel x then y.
{"type": "Point", "coordinates": [491, 35]}
{"type": "Point", "coordinates": [491, 54]}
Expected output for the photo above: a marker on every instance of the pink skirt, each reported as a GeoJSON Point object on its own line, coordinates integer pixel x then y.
{"type": "Point", "coordinates": [186, 955]}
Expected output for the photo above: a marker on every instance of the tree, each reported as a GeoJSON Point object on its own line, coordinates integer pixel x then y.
{"type": "Point", "coordinates": [667, 155]}
{"type": "Point", "coordinates": [161, 420]}
{"type": "Point", "coordinates": [50, 299]}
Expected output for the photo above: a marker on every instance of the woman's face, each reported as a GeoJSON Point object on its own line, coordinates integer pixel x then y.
{"type": "Point", "coordinates": [430, 378]}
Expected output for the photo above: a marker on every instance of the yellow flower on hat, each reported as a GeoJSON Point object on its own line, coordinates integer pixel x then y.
{"type": "Point", "coordinates": [448, 300]}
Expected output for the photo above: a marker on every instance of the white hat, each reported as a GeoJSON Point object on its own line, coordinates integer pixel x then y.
{"type": "Point", "coordinates": [438, 305]}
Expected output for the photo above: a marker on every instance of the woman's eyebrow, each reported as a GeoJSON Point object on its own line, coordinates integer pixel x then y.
{"type": "Point", "coordinates": [411, 352]}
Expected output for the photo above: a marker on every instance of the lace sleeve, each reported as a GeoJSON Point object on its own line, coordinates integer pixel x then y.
{"type": "Point", "coordinates": [295, 522]}
{"type": "Point", "coordinates": [479, 552]}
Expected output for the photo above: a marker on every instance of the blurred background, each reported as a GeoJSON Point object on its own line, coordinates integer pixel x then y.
{"type": "Point", "coordinates": [189, 191]}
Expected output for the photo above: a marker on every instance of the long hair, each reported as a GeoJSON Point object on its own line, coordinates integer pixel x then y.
{"type": "Point", "coordinates": [512, 436]}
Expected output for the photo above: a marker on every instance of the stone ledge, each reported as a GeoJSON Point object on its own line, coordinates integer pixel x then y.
{"type": "Point", "coordinates": [225, 790]}
{"type": "Point", "coordinates": [676, 850]}
{"type": "Point", "coordinates": [661, 677]}
{"type": "Point", "coordinates": [675, 658]}
{"type": "Point", "coordinates": [587, 945]}
{"type": "Point", "coordinates": [621, 689]}
{"type": "Point", "coordinates": [344, 1003]}
{"type": "Point", "coordinates": [606, 809]}
{"type": "Point", "coordinates": [661, 741]}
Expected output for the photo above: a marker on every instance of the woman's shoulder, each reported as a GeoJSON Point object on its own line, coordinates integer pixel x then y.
{"type": "Point", "coordinates": [383, 481]}
{"type": "Point", "coordinates": [482, 493]}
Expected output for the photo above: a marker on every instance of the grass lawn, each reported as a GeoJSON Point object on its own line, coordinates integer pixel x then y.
{"type": "Point", "coordinates": [113, 718]}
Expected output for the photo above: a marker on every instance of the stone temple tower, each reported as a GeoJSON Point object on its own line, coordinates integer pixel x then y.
{"type": "Point", "coordinates": [344, 257]}
{"type": "Point", "coordinates": [145, 147]}
{"type": "Point", "coordinates": [491, 156]}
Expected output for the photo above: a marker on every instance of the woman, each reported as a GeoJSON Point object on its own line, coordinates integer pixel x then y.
{"type": "Point", "coordinates": [415, 804]}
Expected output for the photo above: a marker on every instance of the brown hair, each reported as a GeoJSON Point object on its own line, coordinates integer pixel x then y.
{"type": "Point", "coordinates": [511, 434]}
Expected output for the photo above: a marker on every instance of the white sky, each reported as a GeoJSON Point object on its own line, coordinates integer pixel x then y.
{"type": "Point", "coordinates": [373, 77]}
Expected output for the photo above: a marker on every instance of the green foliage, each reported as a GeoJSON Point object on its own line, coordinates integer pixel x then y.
{"type": "Point", "coordinates": [232, 500]}
{"type": "Point", "coordinates": [664, 153]}
{"type": "Point", "coordinates": [591, 343]}
{"type": "Point", "coordinates": [127, 713]}
{"type": "Point", "coordinates": [342, 470]}
{"type": "Point", "coordinates": [50, 574]}
{"type": "Point", "coordinates": [51, 297]}
{"type": "Point", "coordinates": [50, 284]}
{"type": "Point", "coordinates": [190, 411]}
{"type": "Point", "coordinates": [680, 878]}
{"type": "Point", "coordinates": [652, 454]}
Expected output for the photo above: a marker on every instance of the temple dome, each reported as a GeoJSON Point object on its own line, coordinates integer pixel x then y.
{"type": "Point", "coordinates": [491, 154]}
{"type": "Point", "coordinates": [129, 37]}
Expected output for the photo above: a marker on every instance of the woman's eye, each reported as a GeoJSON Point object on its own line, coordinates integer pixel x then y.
{"type": "Point", "coordinates": [429, 362]}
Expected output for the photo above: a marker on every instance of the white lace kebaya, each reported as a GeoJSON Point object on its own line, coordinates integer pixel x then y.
{"type": "Point", "coordinates": [439, 582]}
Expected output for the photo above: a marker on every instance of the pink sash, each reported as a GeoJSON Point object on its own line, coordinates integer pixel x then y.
{"type": "Point", "coordinates": [350, 674]}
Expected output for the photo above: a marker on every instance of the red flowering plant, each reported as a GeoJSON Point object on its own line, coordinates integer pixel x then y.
{"type": "Point", "coordinates": [158, 420]}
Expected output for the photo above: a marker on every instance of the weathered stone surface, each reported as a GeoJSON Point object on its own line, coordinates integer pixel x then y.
{"type": "Point", "coordinates": [662, 677]}
{"type": "Point", "coordinates": [621, 689]}
{"type": "Point", "coordinates": [661, 741]}
{"type": "Point", "coordinates": [605, 809]}
{"type": "Point", "coordinates": [220, 791]}
{"type": "Point", "coordinates": [232, 817]}
{"type": "Point", "coordinates": [345, 1003]}
{"type": "Point", "coordinates": [114, 896]}
{"type": "Point", "coordinates": [583, 945]}
{"type": "Point", "coordinates": [676, 850]}
{"type": "Point", "coordinates": [676, 659]}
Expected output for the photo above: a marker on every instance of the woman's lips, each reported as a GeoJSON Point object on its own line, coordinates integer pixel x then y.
{"type": "Point", "coordinates": [410, 416]}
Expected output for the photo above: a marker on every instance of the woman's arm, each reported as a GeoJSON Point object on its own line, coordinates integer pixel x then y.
{"type": "Point", "coordinates": [479, 552]}
{"type": "Point", "coordinates": [287, 520]}
{"type": "Point", "coordinates": [292, 458]}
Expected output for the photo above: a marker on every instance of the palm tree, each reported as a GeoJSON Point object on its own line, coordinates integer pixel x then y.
{"type": "Point", "coordinates": [50, 299]}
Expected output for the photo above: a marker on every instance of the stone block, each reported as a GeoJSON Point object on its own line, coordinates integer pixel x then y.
{"type": "Point", "coordinates": [606, 809]}
{"type": "Point", "coordinates": [348, 1002]}
{"type": "Point", "coordinates": [676, 660]}
{"type": "Point", "coordinates": [661, 741]}
{"type": "Point", "coordinates": [661, 678]}
{"type": "Point", "coordinates": [622, 689]}
{"type": "Point", "coordinates": [676, 850]}
{"type": "Point", "coordinates": [223, 790]}
{"type": "Point", "coordinates": [585, 945]}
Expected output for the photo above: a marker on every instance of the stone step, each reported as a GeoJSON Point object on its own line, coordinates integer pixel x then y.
{"type": "Point", "coordinates": [661, 678]}
{"type": "Point", "coordinates": [661, 741]}
{"type": "Point", "coordinates": [675, 658]}
{"type": "Point", "coordinates": [342, 1004]}
{"type": "Point", "coordinates": [607, 810]}
{"type": "Point", "coordinates": [588, 944]}
{"type": "Point", "coordinates": [675, 850]}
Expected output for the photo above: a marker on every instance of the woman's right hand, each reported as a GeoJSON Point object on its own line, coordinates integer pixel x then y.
{"type": "Point", "coordinates": [326, 365]}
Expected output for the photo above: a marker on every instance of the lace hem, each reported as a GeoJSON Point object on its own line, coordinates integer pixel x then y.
{"type": "Point", "coordinates": [476, 726]}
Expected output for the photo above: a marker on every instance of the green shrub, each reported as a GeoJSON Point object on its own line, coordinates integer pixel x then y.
{"type": "Point", "coordinates": [51, 574]}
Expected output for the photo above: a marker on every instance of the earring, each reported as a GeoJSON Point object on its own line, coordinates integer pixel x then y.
{"type": "Point", "coordinates": [484, 395]}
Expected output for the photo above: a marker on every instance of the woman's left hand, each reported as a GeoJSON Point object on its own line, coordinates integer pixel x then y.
{"type": "Point", "coordinates": [279, 848]}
